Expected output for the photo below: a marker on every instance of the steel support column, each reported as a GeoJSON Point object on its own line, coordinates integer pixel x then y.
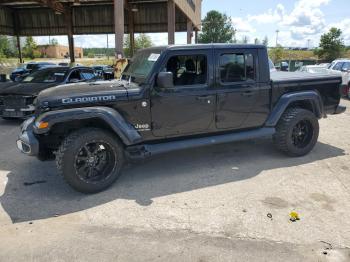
{"type": "Point", "coordinates": [16, 27]}
{"type": "Point", "coordinates": [119, 27]}
{"type": "Point", "coordinates": [69, 23]}
{"type": "Point", "coordinates": [131, 30]}
{"type": "Point", "coordinates": [19, 49]}
{"type": "Point", "coordinates": [189, 31]}
{"type": "Point", "coordinates": [171, 22]}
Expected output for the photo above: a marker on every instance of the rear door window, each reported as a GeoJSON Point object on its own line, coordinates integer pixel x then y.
{"type": "Point", "coordinates": [236, 67]}
{"type": "Point", "coordinates": [346, 66]}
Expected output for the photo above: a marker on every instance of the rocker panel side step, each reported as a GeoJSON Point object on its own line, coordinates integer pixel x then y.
{"type": "Point", "coordinates": [147, 150]}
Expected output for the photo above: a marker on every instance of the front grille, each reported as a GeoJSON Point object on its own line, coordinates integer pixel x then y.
{"type": "Point", "coordinates": [15, 101]}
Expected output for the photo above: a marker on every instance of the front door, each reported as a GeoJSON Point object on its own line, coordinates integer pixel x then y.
{"type": "Point", "coordinates": [236, 86]}
{"type": "Point", "coordinates": [188, 107]}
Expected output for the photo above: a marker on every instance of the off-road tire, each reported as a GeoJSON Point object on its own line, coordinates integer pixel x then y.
{"type": "Point", "coordinates": [283, 138]}
{"type": "Point", "coordinates": [68, 152]}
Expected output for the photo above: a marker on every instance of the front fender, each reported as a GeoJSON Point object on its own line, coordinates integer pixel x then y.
{"type": "Point", "coordinates": [285, 100]}
{"type": "Point", "coordinates": [127, 133]}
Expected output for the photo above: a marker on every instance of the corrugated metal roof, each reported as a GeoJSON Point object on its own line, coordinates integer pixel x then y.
{"type": "Point", "coordinates": [89, 19]}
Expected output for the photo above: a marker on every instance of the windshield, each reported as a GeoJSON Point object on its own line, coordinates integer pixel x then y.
{"type": "Point", "coordinates": [141, 65]}
{"type": "Point", "coordinates": [31, 66]}
{"type": "Point", "coordinates": [331, 65]}
{"type": "Point", "coordinates": [46, 76]}
{"type": "Point", "coordinates": [22, 66]}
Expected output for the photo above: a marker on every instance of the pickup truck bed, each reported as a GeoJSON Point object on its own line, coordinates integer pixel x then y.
{"type": "Point", "coordinates": [324, 84]}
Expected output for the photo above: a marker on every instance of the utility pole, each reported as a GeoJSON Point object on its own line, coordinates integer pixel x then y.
{"type": "Point", "coordinates": [107, 48]}
{"type": "Point", "coordinates": [308, 44]}
{"type": "Point", "coordinates": [277, 31]}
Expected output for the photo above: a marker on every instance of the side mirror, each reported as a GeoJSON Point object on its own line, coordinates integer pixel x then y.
{"type": "Point", "coordinates": [165, 80]}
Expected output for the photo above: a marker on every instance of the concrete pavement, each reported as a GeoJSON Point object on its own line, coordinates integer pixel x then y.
{"type": "Point", "coordinates": [208, 204]}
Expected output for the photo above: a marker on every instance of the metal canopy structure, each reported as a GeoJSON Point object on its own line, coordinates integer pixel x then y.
{"type": "Point", "coordinates": [75, 17]}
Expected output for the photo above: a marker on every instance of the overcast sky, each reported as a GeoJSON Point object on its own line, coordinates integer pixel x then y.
{"type": "Point", "coordinates": [297, 21]}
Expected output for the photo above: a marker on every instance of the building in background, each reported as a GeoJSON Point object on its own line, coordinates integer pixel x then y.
{"type": "Point", "coordinates": [83, 17]}
{"type": "Point", "coordinates": [59, 51]}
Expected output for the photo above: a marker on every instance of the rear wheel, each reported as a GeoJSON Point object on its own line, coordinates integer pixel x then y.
{"type": "Point", "coordinates": [90, 160]}
{"type": "Point", "coordinates": [296, 132]}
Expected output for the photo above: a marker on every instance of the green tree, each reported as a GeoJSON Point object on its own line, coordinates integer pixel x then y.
{"type": "Point", "coordinates": [331, 45]}
{"type": "Point", "coordinates": [29, 49]}
{"type": "Point", "coordinates": [217, 28]}
{"type": "Point", "coordinates": [141, 41]}
{"type": "Point", "coordinates": [257, 41]}
{"type": "Point", "coordinates": [265, 42]}
{"type": "Point", "coordinates": [1, 55]}
{"type": "Point", "coordinates": [276, 54]}
{"type": "Point", "coordinates": [54, 41]}
{"type": "Point", "coordinates": [5, 49]}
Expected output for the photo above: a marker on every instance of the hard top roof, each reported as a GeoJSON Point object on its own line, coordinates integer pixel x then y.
{"type": "Point", "coordinates": [206, 46]}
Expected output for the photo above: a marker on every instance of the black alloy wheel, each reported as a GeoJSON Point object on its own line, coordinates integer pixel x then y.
{"type": "Point", "coordinates": [95, 161]}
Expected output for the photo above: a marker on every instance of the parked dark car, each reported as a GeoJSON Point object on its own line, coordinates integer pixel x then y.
{"type": "Point", "coordinates": [282, 66]}
{"type": "Point", "coordinates": [16, 98]}
{"type": "Point", "coordinates": [104, 71]}
{"type": "Point", "coordinates": [26, 69]}
{"type": "Point", "coordinates": [174, 98]}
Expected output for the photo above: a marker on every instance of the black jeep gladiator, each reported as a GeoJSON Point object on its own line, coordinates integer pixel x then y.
{"type": "Point", "coordinates": [171, 98]}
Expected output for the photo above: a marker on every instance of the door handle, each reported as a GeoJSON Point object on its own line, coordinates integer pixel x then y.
{"type": "Point", "coordinates": [247, 93]}
{"type": "Point", "coordinates": [204, 99]}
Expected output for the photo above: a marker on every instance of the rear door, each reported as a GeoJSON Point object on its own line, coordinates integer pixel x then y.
{"type": "Point", "coordinates": [187, 108]}
{"type": "Point", "coordinates": [236, 86]}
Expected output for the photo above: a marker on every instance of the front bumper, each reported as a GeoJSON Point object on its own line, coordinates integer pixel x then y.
{"type": "Point", "coordinates": [17, 113]}
{"type": "Point", "coordinates": [27, 143]}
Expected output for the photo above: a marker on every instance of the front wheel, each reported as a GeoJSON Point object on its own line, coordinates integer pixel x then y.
{"type": "Point", "coordinates": [90, 160]}
{"type": "Point", "coordinates": [296, 132]}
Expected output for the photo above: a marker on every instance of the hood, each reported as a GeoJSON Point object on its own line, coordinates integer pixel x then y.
{"type": "Point", "coordinates": [86, 94]}
{"type": "Point", "coordinates": [21, 88]}
{"type": "Point", "coordinates": [7, 84]}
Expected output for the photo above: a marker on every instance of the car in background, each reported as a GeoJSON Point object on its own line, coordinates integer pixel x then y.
{"type": "Point", "coordinates": [28, 68]}
{"type": "Point", "coordinates": [63, 64]}
{"type": "Point", "coordinates": [104, 71]}
{"type": "Point", "coordinates": [17, 98]}
{"type": "Point", "coordinates": [314, 69]}
{"type": "Point", "coordinates": [342, 66]}
{"type": "Point", "coordinates": [282, 66]}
